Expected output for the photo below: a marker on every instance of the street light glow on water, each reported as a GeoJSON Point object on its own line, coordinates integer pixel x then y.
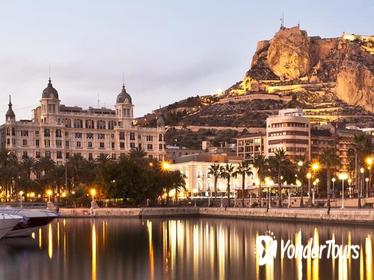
{"type": "Point", "coordinates": [182, 249]}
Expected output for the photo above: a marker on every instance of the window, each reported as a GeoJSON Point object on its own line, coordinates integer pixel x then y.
{"type": "Point", "coordinates": [132, 145]}
{"type": "Point", "coordinates": [160, 147]}
{"type": "Point", "coordinates": [59, 154]}
{"type": "Point", "coordinates": [102, 145]}
{"type": "Point", "coordinates": [24, 133]}
{"type": "Point", "coordinates": [47, 154]}
{"type": "Point", "coordinates": [111, 124]}
{"type": "Point", "coordinates": [78, 135]}
{"type": "Point", "coordinates": [58, 133]}
{"type": "Point", "coordinates": [79, 144]}
{"type": "Point", "coordinates": [67, 144]}
{"type": "Point", "coordinates": [113, 145]}
{"type": "Point", "coordinates": [67, 123]}
{"type": "Point", "coordinates": [8, 141]}
{"type": "Point", "coordinates": [90, 124]}
{"type": "Point", "coordinates": [89, 135]}
{"type": "Point", "coordinates": [149, 138]}
{"type": "Point", "coordinates": [149, 147]}
{"type": "Point", "coordinates": [122, 145]}
{"type": "Point", "coordinates": [90, 157]}
{"type": "Point", "coordinates": [101, 136]}
{"type": "Point", "coordinates": [13, 131]}
{"type": "Point", "coordinates": [67, 155]}
{"type": "Point", "coordinates": [113, 156]}
{"type": "Point", "coordinates": [101, 124]}
{"type": "Point", "coordinates": [78, 123]}
{"type": "Point", "coordinates": [89, 145]}
{"type": "Point", "coordinates": [37, 154]}
{"type": "Point", "coordinates": [160, 137]}
{"type": "Point", "coordinates": [47, 132]}
{"type": "Point", "coordinates": [58, 143]}
{"type": "Point", "coordinates": [8, 131]}
{"type": "Point", "coordinates": [24, 142]}
{"type": "Point", "coordinates": [132, 136]}
{"type": "Point", "coordinates": [121, 135]}
{"type": "Point", "coordinates": [24, 155]}
{"type": "Point", "coordinates": [47, 143]}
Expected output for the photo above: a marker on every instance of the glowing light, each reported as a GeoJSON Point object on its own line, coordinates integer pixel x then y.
{"type": "Point", "coordinates": [165, 165]}
{"type": "Point", "coordinates": [93, 252]}
{"type": "Point", "coordinates": [50, 241]}
{"type": "Point", "coordinates": [343, 176]}
{"type": "Point", "coordinates": [309, 175]}
{"type": "Point", "coordinates": [315, 166]}
{"type": "Point", "coordinates": [151, 251]}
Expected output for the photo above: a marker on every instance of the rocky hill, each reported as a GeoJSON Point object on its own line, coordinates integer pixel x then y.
{"type": "Point", "coordinates": [331, 79]}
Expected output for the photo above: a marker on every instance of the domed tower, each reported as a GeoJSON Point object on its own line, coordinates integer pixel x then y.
{"type": "Point", "coordinates": [124, 107]}
{"type": "Point", "coordinates": [10, 117]}
{"type": "Point", "coordinates": [49, 104]}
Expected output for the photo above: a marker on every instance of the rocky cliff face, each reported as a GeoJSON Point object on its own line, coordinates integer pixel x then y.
{"type": "Point", "coordinates": [331, 79]}
{"type": "Point", "coordinates": [292, 62]}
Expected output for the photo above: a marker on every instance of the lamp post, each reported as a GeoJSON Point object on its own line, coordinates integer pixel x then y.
{"type": "Point", "coordinates": [49, 193]}
{"type": "Point", "coordinates": [300, 164]}
{"type": "Point", "coordinates": [350, 187]}
{"type": "Point", "coordinates": [333, 186]}
{"type": "Point", "coordinates": [367, 187]}
{"type": "Point", "coordinates": [343, 176]}
{"type": "Point", "coordinates": [309, 176]}
{"type": "Point", "coordinates": [21, 197]}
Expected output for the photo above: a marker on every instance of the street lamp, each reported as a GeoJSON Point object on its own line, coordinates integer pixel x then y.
{"type": "Point", "coordinates": [343, 176]}
{"type": "Point", "coordinates": [309, 176]}
{"type": "Point", "coordinates": [93, 193]}
{"type": "Point", "coordinates": [49, 193]}
{"type": "Point", "coordinates": [333, 186]}
{"type": "Point", "coordinates": [165, 165]}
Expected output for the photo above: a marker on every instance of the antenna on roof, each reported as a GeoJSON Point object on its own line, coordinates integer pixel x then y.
{"type": "Point", "coordinates": [49, 71]}
{"type": "Point", "coordinates": [98, 100]}
{"type": "Point", "coordinates": [282, 20]}
{"type": "Point", "coordinates": [298, 23]}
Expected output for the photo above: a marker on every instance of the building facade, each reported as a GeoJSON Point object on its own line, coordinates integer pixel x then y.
{"type": "Point", "coordinates": [199, 183]}
{"type": "Point", "coordinates": [290, 131]}
{"type": "Point", "coordinates": [58, 132]}
{"type": "Point", "coordinates": [251, 146]}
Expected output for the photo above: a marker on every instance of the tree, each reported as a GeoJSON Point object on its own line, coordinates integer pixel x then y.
{"type": "Point", "coordinates": [261, 164]}
{"type": "Point", "coordinates": [227, 172]}
{"type": "Point", "coordinates": [362, 147]}
{"type": "Point", "coordinates": [244, 169]}
{"type": "Point", "coordinates": [280, 165]}
{"type": "Point", "coordinates": [330, 161]}
{"type": "Point", "coordinates": [215, 170]}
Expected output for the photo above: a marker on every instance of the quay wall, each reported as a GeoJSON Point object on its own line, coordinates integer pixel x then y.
{"type": "Point", "coordinates": [314, 215]}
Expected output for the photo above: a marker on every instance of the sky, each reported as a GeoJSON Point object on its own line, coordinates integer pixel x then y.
{"type": "Point", "coordinates": [166, 50]}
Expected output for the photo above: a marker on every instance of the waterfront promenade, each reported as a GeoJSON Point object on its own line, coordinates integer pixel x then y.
{"type": "Point", "coordinates": [314, 215]}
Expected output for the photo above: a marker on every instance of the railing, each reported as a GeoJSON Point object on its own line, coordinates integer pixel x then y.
{"type": "Point", "coordinates": [24, 204]}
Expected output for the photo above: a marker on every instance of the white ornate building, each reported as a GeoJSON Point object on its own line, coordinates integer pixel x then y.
{"type": "Point", "coordinates": [58, 131]}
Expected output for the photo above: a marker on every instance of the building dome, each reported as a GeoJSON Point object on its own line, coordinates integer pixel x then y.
{"type": "Point", "coordinates": [50, 91]}
{"type": "Point", "coordinates": [123, 96]}
{"type": "Point", "coordinates": [10, 114]}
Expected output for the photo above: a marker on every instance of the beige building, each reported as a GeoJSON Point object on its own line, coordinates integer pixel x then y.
{"type": "Point", "coordinates": [289, 130]}
{"type": "Point", "coordinates": [251, 146]}
{"type": "Point", "coordinates": [57, 131]}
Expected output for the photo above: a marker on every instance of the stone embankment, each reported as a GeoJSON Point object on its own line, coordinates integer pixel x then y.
{"type": "Point", "coordinates": [317, 215]}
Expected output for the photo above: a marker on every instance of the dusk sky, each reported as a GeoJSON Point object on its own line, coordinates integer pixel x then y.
{"type": "Point", "coordinates": [168, 50]}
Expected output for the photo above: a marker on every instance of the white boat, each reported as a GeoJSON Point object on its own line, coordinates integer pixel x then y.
{"type": "Point", "coordinates": [8, 222]}
{"type": "Point", "coordinates": [33, 219]}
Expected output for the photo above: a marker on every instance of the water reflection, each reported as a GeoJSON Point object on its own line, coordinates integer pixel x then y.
{"type": "Point", "coordinates": [178, 249]}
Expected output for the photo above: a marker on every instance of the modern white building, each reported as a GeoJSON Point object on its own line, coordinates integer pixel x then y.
{"type": "Point", "coordinates": [57, 131]}
{"type": "Point", "coordinates": [290, 131]}
{"type": "Point", "coordinates": [199, 183]}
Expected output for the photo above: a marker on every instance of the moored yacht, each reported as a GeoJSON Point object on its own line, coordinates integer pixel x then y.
{"type": "Point", "coordinates": [8, 222]}
{"type": "Point", "coordinates": [33, 219]}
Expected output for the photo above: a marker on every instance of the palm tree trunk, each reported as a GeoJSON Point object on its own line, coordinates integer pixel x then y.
{"type": "Point", "coordinates": [215, 189]}
{"type": "Point", "coordinates": [279, 189]}
{"type": "Point", "coordinates": [357, 179]}
{"type": "Point", "coordinates": [328, 175]}
{"type": "Point", "coordinates": [243, 185]}
{"type": "Point", "coordinates": [302, 195]}
{"type": "Point", "coordinates": [228, 192]}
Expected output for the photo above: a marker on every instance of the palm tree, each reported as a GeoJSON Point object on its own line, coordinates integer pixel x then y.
{"type": "Point", "coordinates": [261, 164]}
{"type": "Point", "coordinates": [243, 169]}
{"type": "Point", "coordinates": [227, 172]}
{"type": "Point", "coordinates": [214, 170]}
{"type": "Point", "coordinates": [330, 161]}
{"type": "Point", "coordinates": [278, 164]}
{"type": "Point", "coordinates": [362, 147]}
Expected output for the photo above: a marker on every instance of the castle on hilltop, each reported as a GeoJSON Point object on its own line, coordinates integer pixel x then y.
{"type": "Point", "coordinates": [58, 132]}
